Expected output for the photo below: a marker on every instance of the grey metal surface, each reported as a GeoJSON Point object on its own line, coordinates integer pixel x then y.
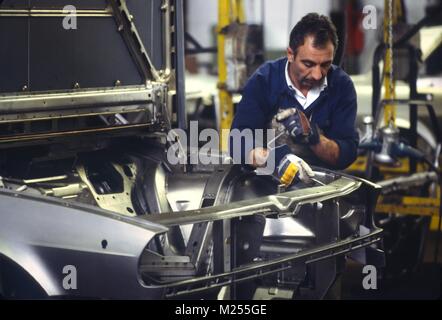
{"type": "Point", "coordinates": [263, 268]}
{"type": "Point", "coordinates": [117, 202]}
{"type": "Point", "coordinates": [180, 65]}
{"type": "Point", "coordinates": [44, 234]}
{"type": "Point", "coordinates": [283, 204]}
{"type": "Point", "coordinates": [40, 116]}
{"type": "Point", "coordinates": [75, 233]}
{"type": "Point", "coordinates": [185, 191]}
{"type": "Point", "coordinates": [112, 252]}
{"type": "Point", "coordinates": [404, 183]}
{"type": "Point", "coordinates": [101, 55]}
{"type": "Point", "coordinates": [321, 248]}
{"type": "Point", "coordinates": [75, 99]}
{"type": "Point", "coordinates": [286, 227]}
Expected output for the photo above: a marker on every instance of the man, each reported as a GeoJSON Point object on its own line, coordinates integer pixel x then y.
{"type": "Point", "coordinates": [313, 100]}
{"type": "Point", "coordinates": [311, 104]}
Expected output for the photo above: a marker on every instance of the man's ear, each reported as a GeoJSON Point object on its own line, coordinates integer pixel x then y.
{"type": "Point", "coordinates": [290, 55]}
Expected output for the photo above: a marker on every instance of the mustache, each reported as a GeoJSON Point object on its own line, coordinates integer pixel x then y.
{"type": "Point", "coordinates": [311, 82]}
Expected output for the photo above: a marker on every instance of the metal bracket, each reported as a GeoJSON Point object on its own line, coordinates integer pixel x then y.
{"type": "Point", "coordinates": [129, 32]}
{"type": "Point", "coordinates": [116, 202]}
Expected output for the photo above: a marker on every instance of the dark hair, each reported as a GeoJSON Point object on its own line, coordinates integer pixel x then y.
{"type": "Point", "coordinates": [318, 26]}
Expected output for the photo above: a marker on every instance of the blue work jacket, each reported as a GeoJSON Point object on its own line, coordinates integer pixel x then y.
{"type": "Point", "coordinates": [334, 111]}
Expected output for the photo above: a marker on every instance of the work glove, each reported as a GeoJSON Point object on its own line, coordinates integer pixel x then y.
{"type": "Point", "coordinates": [298, 126]}
{"type": "Point", "coordinates": [292, 168]}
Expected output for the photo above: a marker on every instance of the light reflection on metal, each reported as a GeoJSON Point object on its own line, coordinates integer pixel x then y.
{"type": "Point", "coordinates": [282, 204]}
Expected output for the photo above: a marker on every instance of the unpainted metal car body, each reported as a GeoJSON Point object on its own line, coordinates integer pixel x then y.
{"type": "Point", "coordinates": [86, 186]}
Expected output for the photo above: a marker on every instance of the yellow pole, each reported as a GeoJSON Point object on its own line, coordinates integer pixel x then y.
{"type": "Point", "coordinates": [229, 11]}
{"type": "Point", "coordinates": [389, 85]}
{"type": "Point", "coordinates": [240, 13]}
{"type": "Point", "coordinates": [225, 97]}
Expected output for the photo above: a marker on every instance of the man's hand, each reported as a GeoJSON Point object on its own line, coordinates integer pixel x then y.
{"type": "Point", "coordinates": [258, 157]}
{"type": "Point", "coordinates": [298, 126]}
{"type": "Point", "coordinates": [292, 167]}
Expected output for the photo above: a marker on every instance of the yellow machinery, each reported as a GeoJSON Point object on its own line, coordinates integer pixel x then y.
{"type": "Point", "coordinates": [404, 205]}
{"type": "Point", "coordinates": [390, 18]}
{"type": "Point", "coordinates": [229, 11]}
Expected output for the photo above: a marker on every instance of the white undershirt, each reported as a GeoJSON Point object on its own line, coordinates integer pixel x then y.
{"type": "Point", "coordinates": [312, 94]}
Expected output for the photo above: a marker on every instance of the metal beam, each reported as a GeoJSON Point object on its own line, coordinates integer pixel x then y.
{"type": "Point", "coordinates": [44, 101]}
{"type": "Point", "coordinates": [55, 13]}
{"type": "Point", "coordinates": [282, 204]}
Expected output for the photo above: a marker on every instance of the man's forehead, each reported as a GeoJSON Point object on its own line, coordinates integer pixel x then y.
{"type": "Point", "coordinates": [308, 51]}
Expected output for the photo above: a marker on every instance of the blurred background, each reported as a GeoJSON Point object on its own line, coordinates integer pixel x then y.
{"type": "Point", "coordinates": [227, 40]}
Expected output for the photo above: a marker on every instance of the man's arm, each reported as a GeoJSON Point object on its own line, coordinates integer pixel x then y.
{"type": "Point", "coordinates": [339, 148]}
{"type": "Point", "coordinates": [327, 150]}
{"type": "Point", "coordinates": [302, 131]}
{"type": "Point", "coordinates": [250, 115]}
{"type": "Point", "coordinates": [343, 131]}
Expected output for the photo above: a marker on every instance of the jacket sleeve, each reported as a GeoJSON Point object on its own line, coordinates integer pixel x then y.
{"type": "Point", "coordinates": [250, 115]}
{"type": "Point", "coordinates": [343, 130]}
{"type": "Point", "coordinates": [249, 124]}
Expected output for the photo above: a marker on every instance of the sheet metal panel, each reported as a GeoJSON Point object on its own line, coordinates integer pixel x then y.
{"type": "Point", "coordinates": [39, 53]}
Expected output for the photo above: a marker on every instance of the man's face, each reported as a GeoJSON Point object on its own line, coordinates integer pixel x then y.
{"type": "Point", "coordinates": [310, 65]}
